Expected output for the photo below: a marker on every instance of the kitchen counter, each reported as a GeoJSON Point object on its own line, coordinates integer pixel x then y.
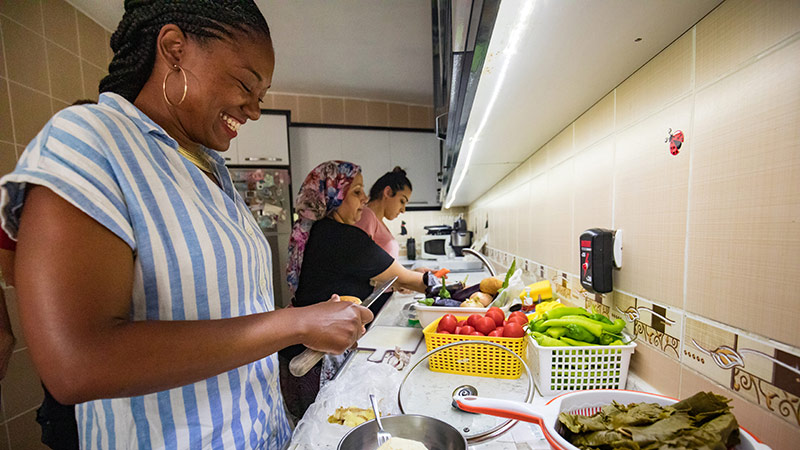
{"type": "Point", "coordinates": [384, 380]}
{"type": "Point", "coordinates": [359, 376]}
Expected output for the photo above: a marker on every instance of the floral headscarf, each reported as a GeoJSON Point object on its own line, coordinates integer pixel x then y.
{"type": "Point", "coordinates": [321, 193]}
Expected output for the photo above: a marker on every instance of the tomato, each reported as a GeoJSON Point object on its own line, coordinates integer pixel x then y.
{"type": "Point", "coordinates": [513, 330]}
{"type": "Point", "coordinates": [495, 308]}
{"type": "Point", "coordinates": [473, 319]}
{"type": "Point", "coordinates": [497, 332]}
{"type": "Point", "coordinates": [476, 333]}
{"type": "Point", "coordinates": [519, 314]}
{"type": "Point", "coordinates": [500, 330]}
{"type": "Point", "coordinates": [458, 330]}
{"type": "Point", "coordinates": [461, 323]}
{"type": "Point", "coordinates": [496, 315]}
{"type": "Point", "coordinates": [486, 325]}
{"type": "Point", "coordinates": [518, 320]}
{"type": "Point", "coordinates": [447, 323]}
{"type": "Point", "coordinates": [467, 329]}
{"type": "Point", "coordinates": [444, 332]}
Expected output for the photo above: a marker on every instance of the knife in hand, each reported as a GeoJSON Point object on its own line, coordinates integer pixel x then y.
{"type": "Point", "coordinates": [302, 363]}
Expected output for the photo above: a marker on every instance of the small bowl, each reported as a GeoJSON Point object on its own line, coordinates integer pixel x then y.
{"type": "Point", "coordinates": [433, 433]}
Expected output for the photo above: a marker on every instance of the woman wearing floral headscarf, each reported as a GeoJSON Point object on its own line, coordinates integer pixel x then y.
{"type": "Point", "coordinates": [328, 255]}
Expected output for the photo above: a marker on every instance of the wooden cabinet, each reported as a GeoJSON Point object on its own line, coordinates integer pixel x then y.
{"type": "Point", "coordinates": [377, 151]}
{"type": "Point", "coordinates": [264, 142]}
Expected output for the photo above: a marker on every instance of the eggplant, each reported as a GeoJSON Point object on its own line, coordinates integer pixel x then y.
{"type": "Point", "coordinates": [434, 287]}
{"type": "Point", "coordinates": [449, 302]}
{"type": "Point", "coordinates": [463, 294]}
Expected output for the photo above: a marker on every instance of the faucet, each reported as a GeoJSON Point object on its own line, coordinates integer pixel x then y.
{"type": "Point", "coordinates": [482, 258]}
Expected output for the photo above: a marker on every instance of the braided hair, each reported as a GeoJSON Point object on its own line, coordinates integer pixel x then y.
{"type": "Point", "coordinates": [134, 41]}
{"type": "Point", "coordinates": [396, 179]}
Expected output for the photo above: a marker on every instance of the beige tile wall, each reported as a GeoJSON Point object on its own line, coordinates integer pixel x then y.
{"type": "Point", "coordinates": [51, 55]}
{"type": "Point", "coordinates": [350, 111]}
{"type": "Point", "coordinates": [44, 66]}
{"type": "Point", "coordinates": [711, 235]}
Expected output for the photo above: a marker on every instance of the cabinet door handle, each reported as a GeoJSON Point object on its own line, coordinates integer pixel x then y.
{"type": "Point", "coordinates": [263, 159]}
{"type": "Point", "coordinates": [441, 136]}
{"type": "Point", "coordinates": [228, 159]}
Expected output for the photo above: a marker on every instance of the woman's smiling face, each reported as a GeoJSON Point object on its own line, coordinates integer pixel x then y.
{"type": "Point", "coordinates": [226, 78]}
{"type": "Point", "coordinates": [349, 212]}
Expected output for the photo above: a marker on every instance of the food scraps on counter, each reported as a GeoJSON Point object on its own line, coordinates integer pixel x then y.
{"type": "Point", "coordinates": [703, 420]}
{"type": "Point", "coordinates": [351, 416]}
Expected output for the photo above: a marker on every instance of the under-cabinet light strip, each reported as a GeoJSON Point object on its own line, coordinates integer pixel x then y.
{"type": "Point", "coordinates": [511, 49]}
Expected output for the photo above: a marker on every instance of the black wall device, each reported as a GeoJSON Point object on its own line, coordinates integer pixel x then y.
{"type": "Point", "coordinates": [597, 260]}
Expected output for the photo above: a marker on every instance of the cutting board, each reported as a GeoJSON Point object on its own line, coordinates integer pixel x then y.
{"type": "Point", "coordinates": [383, 339]}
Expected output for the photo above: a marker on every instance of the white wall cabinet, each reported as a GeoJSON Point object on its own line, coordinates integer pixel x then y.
{"type": "Point", "coordinates": [264, 142]}
{"type": "Point", "coordinates": [376, 151]}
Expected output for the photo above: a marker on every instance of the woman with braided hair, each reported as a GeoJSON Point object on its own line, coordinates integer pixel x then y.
{"type": "Point", "coordinates": [144, 283]}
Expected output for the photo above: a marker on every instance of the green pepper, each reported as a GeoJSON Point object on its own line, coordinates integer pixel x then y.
{"type": "Point", "coordinates": [427, 301]}
{"type": "Point", "coordinates": [606, 339]}
{"type": "Point", "coordinates": [443, 292]}
{"type": "Point", "coordinates": [555, 332]}
{"type": "Point", "coordinates": [594, 327]}
{"type": "Point", "coordinates": [538, 325]}
{"type": "Point", "coordinates": [565, 311]}
{"type": "Point", "coordinates": [579, 333]}
{"type": "Point", "coordinates": [617, 342]}
{"type": "Point", "coordinates": [616, 327]}
{"type": "Point", "coordinates": [547, 341]}
{"type": "Point", "coordinates": [601, 318]}
{"type": "Point", "coordinates": [574, 342]}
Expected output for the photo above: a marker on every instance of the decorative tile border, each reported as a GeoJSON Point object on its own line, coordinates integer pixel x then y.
{"type": "Point", "coordinates": [655, 325]}
{"type": "Point", "coordinates": [765, 372]}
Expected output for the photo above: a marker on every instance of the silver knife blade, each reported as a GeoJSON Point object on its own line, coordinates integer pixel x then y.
{"type": "Point", "coordinates": [377, 292]}
{"type": "Point", "coordinates": [302, 363]}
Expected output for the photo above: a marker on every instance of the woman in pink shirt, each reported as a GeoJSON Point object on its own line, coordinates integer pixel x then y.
{"type": "Point", "coordinates": [387, 199]}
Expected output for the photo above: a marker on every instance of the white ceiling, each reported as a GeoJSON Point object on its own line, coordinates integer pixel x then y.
{"type": "Point", "coordinates": [372, 49]}
{"type": "Point", "coordinates": [570, 54]}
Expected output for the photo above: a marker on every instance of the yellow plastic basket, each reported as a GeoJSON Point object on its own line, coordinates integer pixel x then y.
{"type": "Point", "coordinates": [479, 360]}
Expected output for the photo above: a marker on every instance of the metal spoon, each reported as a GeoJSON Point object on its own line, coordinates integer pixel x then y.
{"type": "Point", "coordinates": [383, 435]}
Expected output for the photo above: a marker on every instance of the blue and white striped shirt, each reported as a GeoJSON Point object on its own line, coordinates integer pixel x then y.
{"type": "Point", "coordinates": [199, 254]}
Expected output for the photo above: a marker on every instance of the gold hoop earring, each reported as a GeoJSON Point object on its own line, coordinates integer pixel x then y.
{"type": "Point", "coordinates": [185, 86]}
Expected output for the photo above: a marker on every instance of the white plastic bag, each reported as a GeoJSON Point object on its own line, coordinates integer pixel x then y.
{"type": "Point", "coordinates": [510, 295]}
{"type": "Point", "coordinates": [351, 388]}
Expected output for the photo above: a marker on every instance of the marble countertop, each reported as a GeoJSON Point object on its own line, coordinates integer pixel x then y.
{"type": "Point", "coordinates": [314, 423]}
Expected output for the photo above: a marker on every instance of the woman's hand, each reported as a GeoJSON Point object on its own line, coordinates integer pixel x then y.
{"type": "Point", "coordinates": [334, 326]}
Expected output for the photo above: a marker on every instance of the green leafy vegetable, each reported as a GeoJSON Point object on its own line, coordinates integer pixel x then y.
{"type": "Point", "coordinates": [509, 273]}
{"type": "Point", "coordinates": [703, 421]}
